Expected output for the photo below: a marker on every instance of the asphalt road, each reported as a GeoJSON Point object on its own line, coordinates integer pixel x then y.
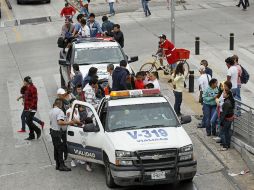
{"type": "Point", "coordinates": [31, 50]}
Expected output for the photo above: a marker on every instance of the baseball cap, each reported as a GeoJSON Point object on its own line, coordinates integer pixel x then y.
{"type": "Point", "coordinates": [163, 36]}
{"type": "Point", "coordinates": [202, 68]}
{"type": "Point", "coordinates": [61, 91]}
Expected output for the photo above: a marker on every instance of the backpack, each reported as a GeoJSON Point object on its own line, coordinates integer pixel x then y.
{"type": "Point", "coordinates": [244, 76]}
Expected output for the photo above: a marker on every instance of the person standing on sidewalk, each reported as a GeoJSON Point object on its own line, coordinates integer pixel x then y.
{"type": "Point", "coordinates": [58, 122]}
{"type": "Point", "coordinates": [30, 107]}
{"type": "Point", "coordinates": [146, 7]}
{"type": "Point", "coordinates": [226, 118]}
{"type": "Point", "coordinates": [209, 105]}
{"type": "Point", "coordinates": [23, 115]}
{"type": "Point", "coordinates": [239, 82]}
{"type": "Point", "coordinates": [111, 6]}
{"type": "Point", "coordinates": [208, 70]}
{"type": "Point", "coordinates": [178, 84]}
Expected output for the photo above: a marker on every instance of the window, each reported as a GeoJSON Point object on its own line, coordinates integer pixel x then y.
{"type": "Point", "coordinates": [140, 116]}
{"type": "Point", "coordinates": [98, 55]}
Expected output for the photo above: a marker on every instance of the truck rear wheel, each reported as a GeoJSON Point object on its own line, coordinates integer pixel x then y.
{"type": "Point", "coordinates": [109, 179]}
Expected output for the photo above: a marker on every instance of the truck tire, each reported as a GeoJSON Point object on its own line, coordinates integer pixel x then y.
{"type": "Point", "coordinates": [109, 179]}
{"type": "Point", "coordinates": [63, 85]}
{"type": "Point", "coordinates": [187, 180]}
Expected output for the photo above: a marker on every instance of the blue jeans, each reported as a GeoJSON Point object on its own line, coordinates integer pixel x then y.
{"type": "Point", "coordinates": [225, 134]}
{"type": "Point", "coordinates": [178, 102]}
{"type": "Point", "coordinates": [237, 95]}
{"type": "Point", "coordinates": [146, 8]}
{"type": "Point", "coordinates": [85, 11]}
{"type": "Point", "coordinates": [23, 120]}
{"type": "Point", "coordinates": [216, 120]}
{"type": "Point", "coordinates": [111, 8]}
{"type": "Point", "coordinates": [208, 112]}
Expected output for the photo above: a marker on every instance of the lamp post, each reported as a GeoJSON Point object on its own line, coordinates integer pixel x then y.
{"type": "Point", "coordinates": [173, 21]}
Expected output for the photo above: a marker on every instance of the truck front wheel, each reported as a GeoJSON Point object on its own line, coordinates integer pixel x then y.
{"type": "Point", "coordinates": [109, 179]}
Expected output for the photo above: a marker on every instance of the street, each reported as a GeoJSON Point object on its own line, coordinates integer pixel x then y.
{"type": "Point", "coordinates": [31, 49]}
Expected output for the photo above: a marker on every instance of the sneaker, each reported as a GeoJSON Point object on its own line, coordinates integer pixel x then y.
{"type": "Point", "coordinates": [88, 168]}
{"type": "Point", "coordinates": [21, 131]}
{"type": "Point", "coordinates": [64, 168]}
{"type": "Point", "coordinates": [73, 164]}
{"type": "Point", "coordinates": [42, 125]}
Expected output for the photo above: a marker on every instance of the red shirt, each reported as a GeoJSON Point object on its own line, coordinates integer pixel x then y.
{"type": "Point", "coordinates": [30, 98]}
{"type": "Point", "coordinates": [66, 11]}
{"type": "Point", "coordinates": [139, 84]}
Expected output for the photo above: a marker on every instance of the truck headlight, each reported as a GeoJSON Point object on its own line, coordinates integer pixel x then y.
{"type": "Point", "coordinates": [124, 162]}
{"type": "Point", "coordinates": [121, 154]}
{"type": "Point", "coordinates": [186, 153]}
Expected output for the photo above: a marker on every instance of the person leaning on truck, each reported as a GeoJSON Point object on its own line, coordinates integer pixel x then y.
{"type": "Point", "coordinates": [58, 123]}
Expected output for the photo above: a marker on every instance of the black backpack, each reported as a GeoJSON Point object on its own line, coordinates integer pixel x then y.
{"type": "Point", "coordinates": [245, 76]}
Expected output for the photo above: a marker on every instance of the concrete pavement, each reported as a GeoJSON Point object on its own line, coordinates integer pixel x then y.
{"type": "Point", "coordinates": [29, 165]}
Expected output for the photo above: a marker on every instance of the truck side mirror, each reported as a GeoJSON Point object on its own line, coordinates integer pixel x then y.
{"type": "Point", "coordinates": [62, 62]}
{"type": "Point", "coordinates": [90, 127]}
{"type": "Point", "coordinates": [185, 119]}
{"type": "Point", "coordinates": [133, 59]}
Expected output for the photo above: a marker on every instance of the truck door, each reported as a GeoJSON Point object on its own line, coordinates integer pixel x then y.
{"type": "Point", "coordinates": [85, 139]}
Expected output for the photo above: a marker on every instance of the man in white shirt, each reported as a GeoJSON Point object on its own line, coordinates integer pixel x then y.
{"type": "Point", "coordinates": [111, 6]}
{"type": "Point", "coordinates": [232, 75]}
{"type": "Point", "coordinates": [153, 79]}
{"type": "Point", "coordinates": [203, 80]}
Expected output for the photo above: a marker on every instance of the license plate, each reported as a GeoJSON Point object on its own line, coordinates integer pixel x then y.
{"type": "Point", "coordinates": [158, 175]}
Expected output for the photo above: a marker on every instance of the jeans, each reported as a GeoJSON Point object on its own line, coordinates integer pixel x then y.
{"type": "Point", "coordinates": [225, 134]}
{"type": "Point", "coordinates": [146, 8]}
{"type": "Point", "coordinates": [208, 111]}
{"type": "Point", "coordinates": [237, 95]}
{"type": "Point", "coordinates": [178, 102]}
{"type": "Point", "coordinates": [23, 120]}
{"type": "Point", "coordinates": [29, 121]}
{"type": "Point", "coordinates": [85, 11]}
{"type": "Point", "coordinates": [111, 8]}
{"type": "Point", "coordinates": [216, 120]}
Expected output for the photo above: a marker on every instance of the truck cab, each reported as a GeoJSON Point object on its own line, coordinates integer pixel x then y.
{"type": "Point", "coordinates": [137, 136]}
{"type": "Point", "coordinates": [91, 52]}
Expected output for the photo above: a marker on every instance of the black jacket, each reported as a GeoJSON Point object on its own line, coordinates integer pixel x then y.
{"type": "Point", "coordinates": [118, 36]}
{"type": "Point", "coordinates": [119, 77]}
{"type": "Point", "coordinates": [227, 111]}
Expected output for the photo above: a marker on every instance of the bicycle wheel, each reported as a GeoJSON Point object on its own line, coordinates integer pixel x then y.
{"type": "Point", "coordinates": [148, 67]}
{"type": "Point", "coordinates": [186, 68]}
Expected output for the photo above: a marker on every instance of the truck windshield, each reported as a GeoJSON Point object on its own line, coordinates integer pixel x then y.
{"type": "Point", "coordinates": [140, 116]}
{"type": "Point", "coordinates": [98, 55]}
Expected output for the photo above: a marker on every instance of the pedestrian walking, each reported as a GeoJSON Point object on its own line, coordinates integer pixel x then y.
{"type": "Point", "coordinates": [209, 105]}
{"type": "Point", "coordinates": [146, 7]}
{"type": "Point", "coordinates": [23, 115]}
{"type": "Point", "coordinates": [111, 6]}
{"type": "Point", "coordinates": [107, 26]}
{"type": "Point", "coordinates": [84, 4]}
{"type": "Point", "coordinates": [226, 118]}
{"type": "Point", "coordinates": [178, 85]}
{"type": "Point", "coordinates": [168, 4]}
{"type": "Point", "coordinates": [244, 3]}
{"type": "Point", "coordinates": [119, 77]}
{"type": "Point", "coordinates": [30, 107]}
{"type": "Point", "coordinates": [208, 70]}
{"type": "Point", "coordinates": [58, 122]}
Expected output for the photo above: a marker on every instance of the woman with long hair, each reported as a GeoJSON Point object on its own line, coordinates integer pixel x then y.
{"type": "Point", "coordinates": [178, 84]}
{"type": "Point", "coordinates": [226, 118]}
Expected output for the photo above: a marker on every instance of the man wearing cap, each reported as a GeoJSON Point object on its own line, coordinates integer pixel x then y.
{"type": "Point", "coordinates": [203, 83]}
{"type": "Point", "coordinates": [58, 123]}
{"type": "Point", "coordinates": [30, 107]}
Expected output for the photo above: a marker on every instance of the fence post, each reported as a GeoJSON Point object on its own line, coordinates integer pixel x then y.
{"type": "Point", "coordinates": [191, 81]}
{"type": "Point", "coordinates": [231, 41]}
{"type": "Point", "coordinates": [249, 125]}
{"type": "Point", "coordinates": [197, 45]}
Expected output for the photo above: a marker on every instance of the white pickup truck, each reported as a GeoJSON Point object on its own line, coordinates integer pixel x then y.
{"type": "Point", "coordinates": [137, 136]}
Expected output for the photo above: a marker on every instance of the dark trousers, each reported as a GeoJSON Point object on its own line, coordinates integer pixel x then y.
{"type": "Point", "coordinates": [64, 139]}
{"type": "Point", "coordinates": [208, 111]}
{"type": "Point", "coordinates": [58, 147]}
{"type": "Point", "coordinates": [225, 133]}
{"type": "Point", "coordinates": [245, 4]}
{"type": "Point", "coordinates": [23, 120]}
{"type": "Point", "coordinates": [146, 7]}
{"type": "Point", "coordinates": [29, 121]}
{"type": "Point", "coordinates": [178, 102]}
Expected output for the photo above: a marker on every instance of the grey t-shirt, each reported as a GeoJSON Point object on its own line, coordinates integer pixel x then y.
{"type": "Point", "coordinates": [55, 115]}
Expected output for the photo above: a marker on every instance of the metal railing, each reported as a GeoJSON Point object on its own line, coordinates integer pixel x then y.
{"type": "Point", "coordinates": [243, 125]}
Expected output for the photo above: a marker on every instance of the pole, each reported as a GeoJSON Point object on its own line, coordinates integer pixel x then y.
{"type": "Point", "coordinates": [231, 41]}
{"type": "Point", "coordinates": [197, 45]}
{"type": "Point", "coordinates": [191, 81]}
{"type": "Point", "coordinates": [173, 21]}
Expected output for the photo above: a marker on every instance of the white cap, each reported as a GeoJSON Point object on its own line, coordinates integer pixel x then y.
{"type": "Point", "coordinates": [61, 91]}
{"type": "Point", "coordinates": [201, 68]}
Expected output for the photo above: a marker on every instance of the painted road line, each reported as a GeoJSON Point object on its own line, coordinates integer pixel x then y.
{"type": "Point", "coordinates": [58, 80]}
{"type": "Point", "coordinates": [16, 109]}
{"type": "Point", "coordinates": [43, 105]}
